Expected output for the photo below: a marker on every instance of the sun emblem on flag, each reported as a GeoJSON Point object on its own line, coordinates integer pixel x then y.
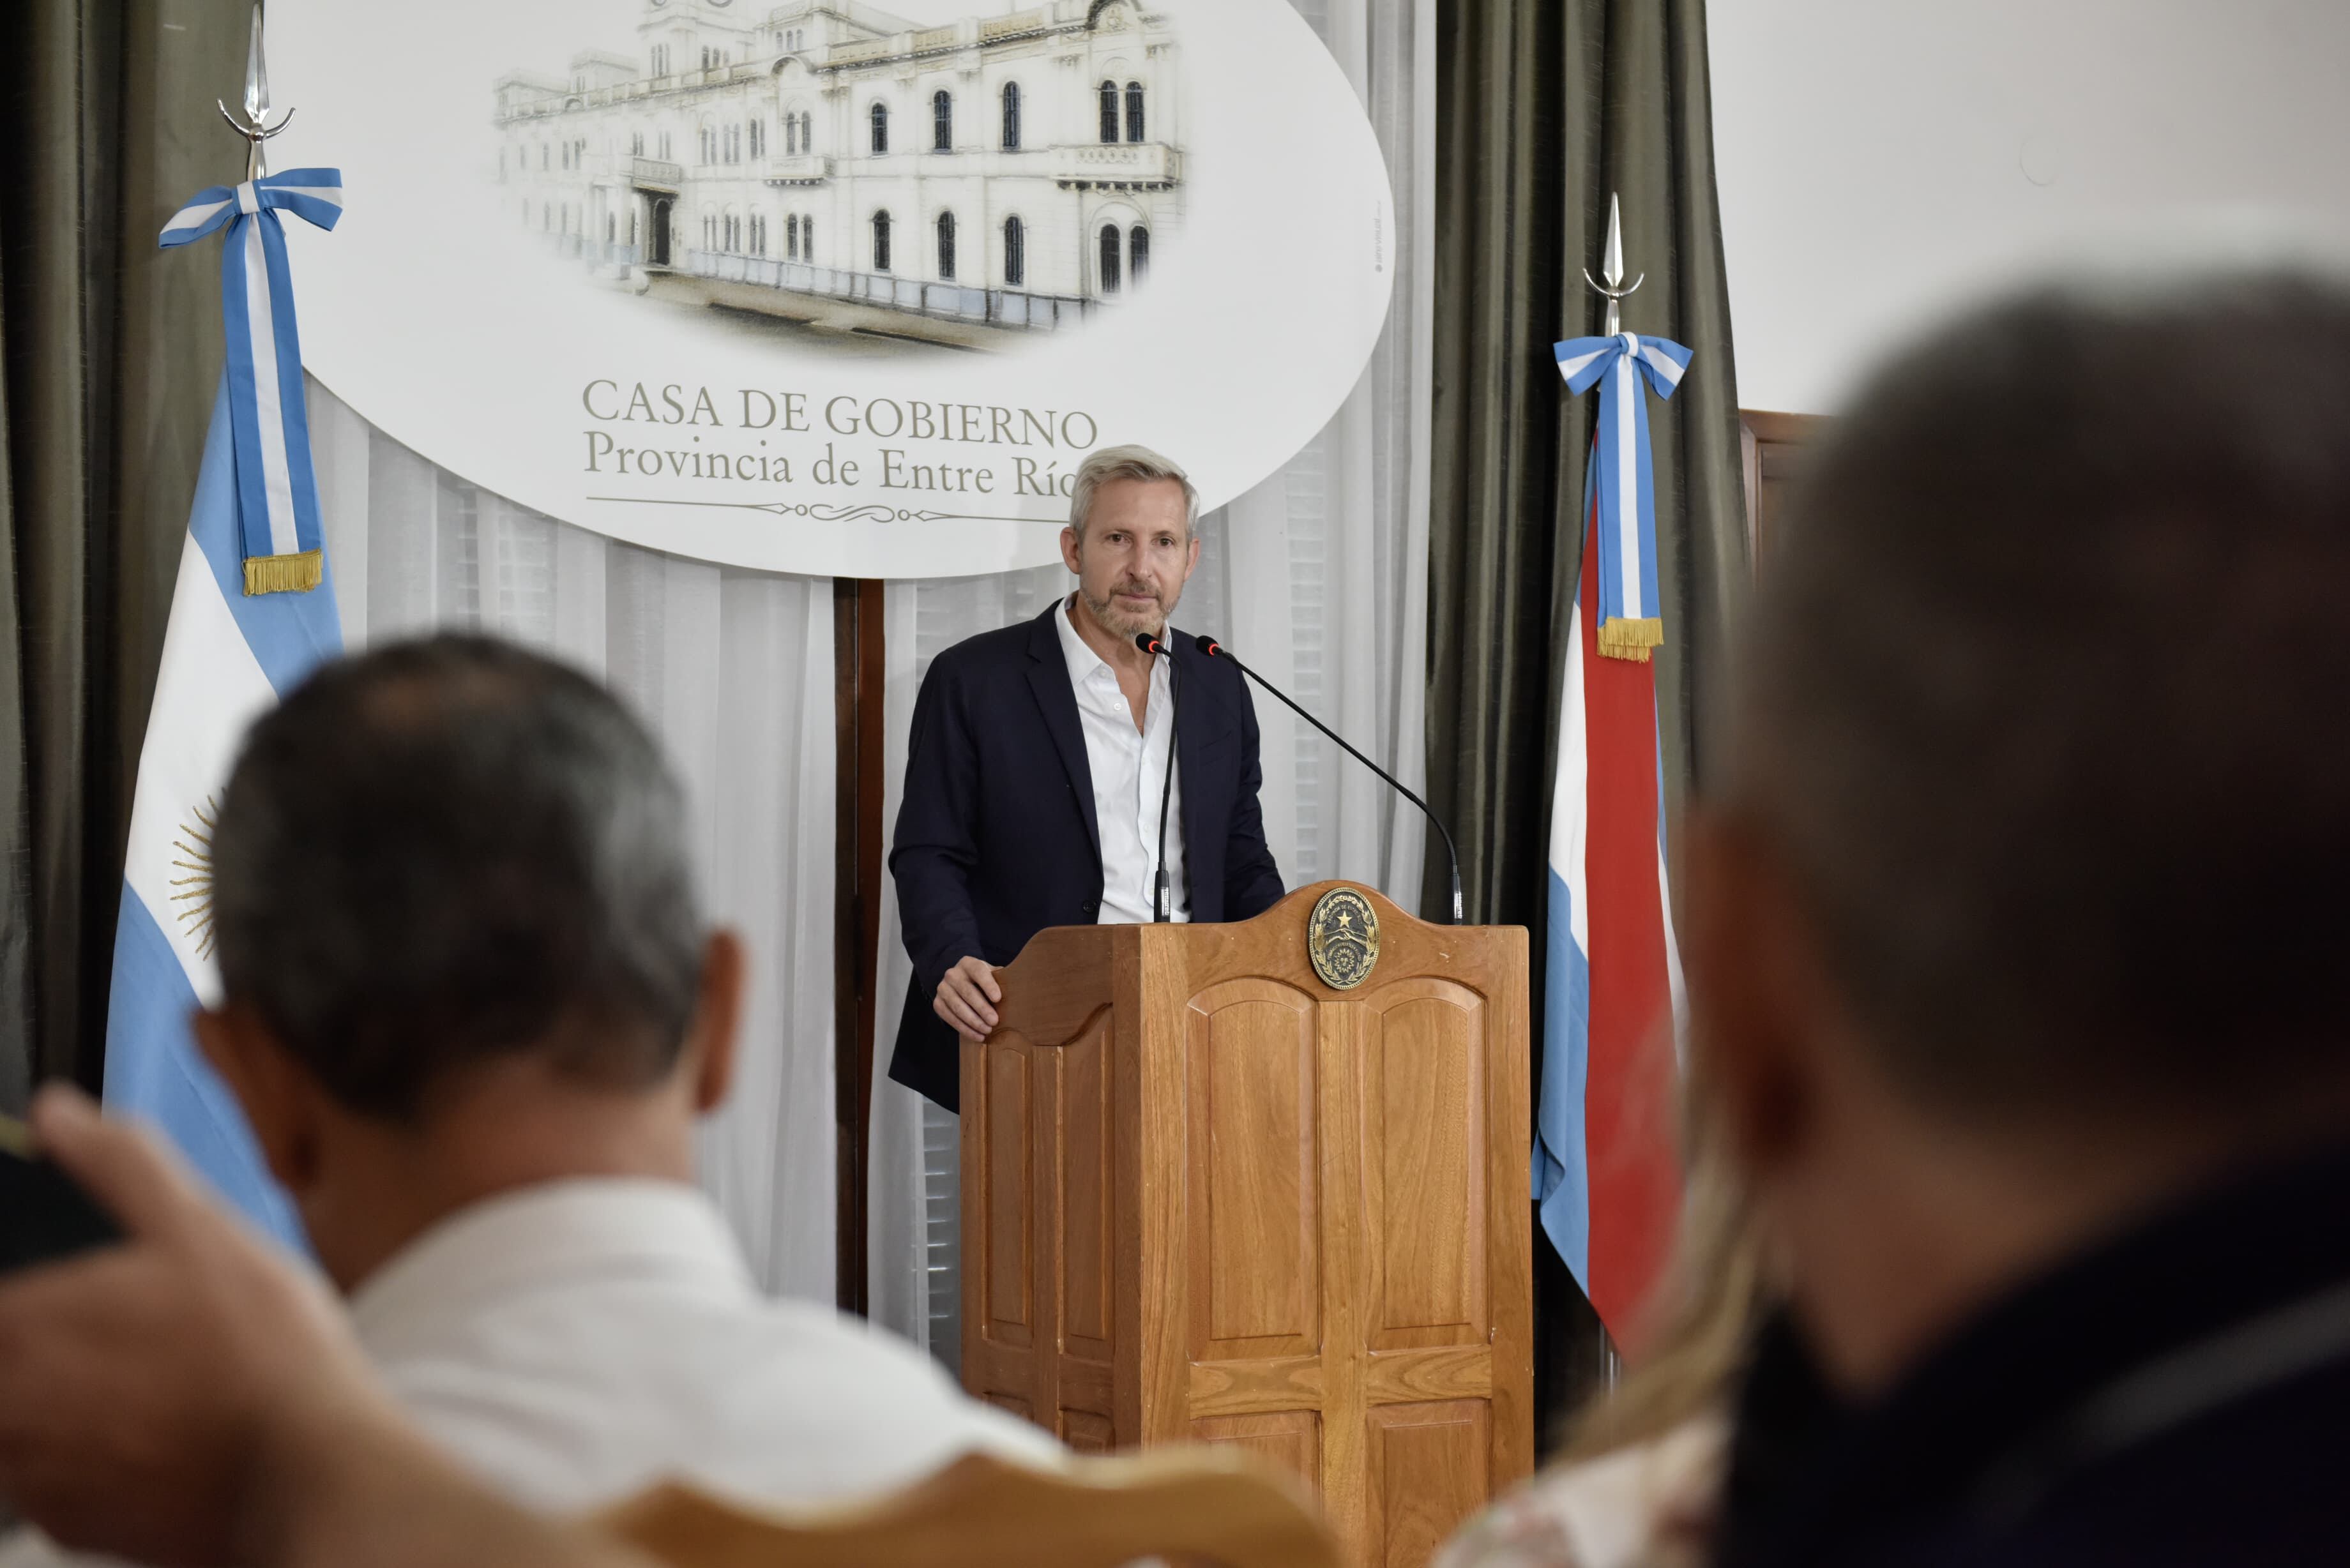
{"type": "Point", "coordinates": [192, 896]}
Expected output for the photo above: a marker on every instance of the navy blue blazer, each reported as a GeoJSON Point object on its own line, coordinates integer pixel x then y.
{"type": "Point", "coordinates": [996, 836]}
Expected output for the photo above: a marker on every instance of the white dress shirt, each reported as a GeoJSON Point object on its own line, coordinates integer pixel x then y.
{"type": "Point", "coordinates": [572, 1343]}
{"type": "Point", "coordinates": [1130, 770]}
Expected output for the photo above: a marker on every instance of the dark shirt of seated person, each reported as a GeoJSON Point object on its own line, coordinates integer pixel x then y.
{"type": "Point", "coordinates": [2019, 949]}
{"type": "Point", "coordinates": [473, 1011]}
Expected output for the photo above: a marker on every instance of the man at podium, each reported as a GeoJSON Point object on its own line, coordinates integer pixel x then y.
{"type": "Point", "coordinates": [1060, 773]}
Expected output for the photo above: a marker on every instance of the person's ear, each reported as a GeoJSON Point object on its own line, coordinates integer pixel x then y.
{"type": "Point", "coordinates": [717, 1020]}
{"type": "Point", "coordinates": [1191, 557]}
{"type": "Point", "coordinates": [1069, 542]}
{"type": "Point", "coordinates": [279, 1098]}
{"type": "Point", "coordinates": [1753, 992]}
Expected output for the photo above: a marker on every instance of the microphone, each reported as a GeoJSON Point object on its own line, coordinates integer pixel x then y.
{"type": "Point", "coordinates": [1214, 649]}
{"type": "Point", "coordinates": [1161, 902]}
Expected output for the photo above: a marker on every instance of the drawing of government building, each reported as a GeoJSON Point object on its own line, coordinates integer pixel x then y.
{"type": "Point", "coordinates": [830, 162]}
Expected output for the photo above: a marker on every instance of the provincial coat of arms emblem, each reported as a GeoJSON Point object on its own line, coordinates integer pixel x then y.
{"type": "Point", "coordinates": [1342, 938]}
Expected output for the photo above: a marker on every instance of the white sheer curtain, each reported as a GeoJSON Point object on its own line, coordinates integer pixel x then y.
{"type": "Point", "coordinates": [1318, 578]}
{"type": "Point", "coordinates": [733, 670]}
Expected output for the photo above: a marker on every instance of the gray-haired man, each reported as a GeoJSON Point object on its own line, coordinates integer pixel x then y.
{"type": "Point", "coordinates": [1038, 767]}
{"type": "Point", "coordinates": [472, 1010]}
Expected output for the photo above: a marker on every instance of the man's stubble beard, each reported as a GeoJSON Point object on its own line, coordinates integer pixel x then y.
{"type": "Point", "coordinates": [1121, 622]}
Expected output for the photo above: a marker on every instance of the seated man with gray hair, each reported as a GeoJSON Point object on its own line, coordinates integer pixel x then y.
{"type": "Point", "coordinates": [472, 1010]}
{"type": "Point", "coordinates": [1038, 777]}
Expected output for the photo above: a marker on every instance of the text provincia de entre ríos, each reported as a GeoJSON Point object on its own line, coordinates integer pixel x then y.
{"type": "Point", "coordinates": [668, 422]}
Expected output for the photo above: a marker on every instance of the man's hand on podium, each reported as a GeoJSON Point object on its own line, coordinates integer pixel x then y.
{"type": "Point", "coordinates": [966, 996]}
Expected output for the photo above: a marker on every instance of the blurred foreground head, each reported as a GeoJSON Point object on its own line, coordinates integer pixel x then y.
{"type": "Point", "coordinates": [457, 929]}
{"type": "Point", "coordinates": [2035, 831]}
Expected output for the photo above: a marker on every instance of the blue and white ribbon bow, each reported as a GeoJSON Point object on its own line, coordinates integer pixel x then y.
{"type": "Point", "coordinates": [1631, 620]}
{"type": "Point", "coordinates": [276, 491]}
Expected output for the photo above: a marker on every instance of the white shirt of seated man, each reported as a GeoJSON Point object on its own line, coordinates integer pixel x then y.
{"type": "Point", "coordinates": [576, 1342]}
{"type": "Point", "coordinates": [531, 1269]}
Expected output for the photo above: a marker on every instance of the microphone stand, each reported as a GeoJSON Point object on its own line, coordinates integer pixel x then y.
{"type": "Point", "coordinates": [1214, 649]}
{"type": "Point", "coordinates": [1163, 903]}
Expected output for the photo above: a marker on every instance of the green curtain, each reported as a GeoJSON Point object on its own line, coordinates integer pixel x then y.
{"type": "Point", "coordinates": [1544, 108]}
{"type": "Point", "coordinates": [108, 355]}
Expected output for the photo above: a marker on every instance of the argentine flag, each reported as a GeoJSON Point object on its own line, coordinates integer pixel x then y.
{"type": "Point", "coordinates": [231, 648]}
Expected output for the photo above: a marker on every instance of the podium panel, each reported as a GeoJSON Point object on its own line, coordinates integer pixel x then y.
{"type": "Point", "coordinates": [1254, 1241]}
{"type": "Point", "coordinates": [1208, 1197]}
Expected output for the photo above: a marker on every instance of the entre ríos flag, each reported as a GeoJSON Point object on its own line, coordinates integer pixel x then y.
{"type": "Point", "coordinates": [1605, 1173]}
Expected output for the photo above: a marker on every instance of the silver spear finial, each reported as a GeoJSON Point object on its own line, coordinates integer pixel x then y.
{"type": "Point", "coordinates": [1614, 290]}
{"type": "Point", "coordinates": [256, 76]}
{"type": "Point", "coordinates": [255, 128]}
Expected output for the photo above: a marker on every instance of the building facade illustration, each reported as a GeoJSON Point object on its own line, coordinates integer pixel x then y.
{"type": "Point", "coordinates": [828, 162]}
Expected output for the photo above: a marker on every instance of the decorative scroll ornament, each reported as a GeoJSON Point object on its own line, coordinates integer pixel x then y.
{"type": "Point", "coordinates": [1342, 938]}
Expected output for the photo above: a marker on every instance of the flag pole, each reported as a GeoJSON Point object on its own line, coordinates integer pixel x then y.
{"type": "Point", "coordinates": [1610, 286]}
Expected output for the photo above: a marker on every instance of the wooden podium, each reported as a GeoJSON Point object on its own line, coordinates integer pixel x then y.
{"type": "Point", "coordinates": [1208, 1195]}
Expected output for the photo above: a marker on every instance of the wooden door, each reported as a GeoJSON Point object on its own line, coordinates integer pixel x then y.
{"type": "Point", "coordinates": [1770, 447]}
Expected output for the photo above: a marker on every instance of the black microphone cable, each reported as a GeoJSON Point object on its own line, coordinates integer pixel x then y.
{"type": "Point", "coordinates": [1214, 649]}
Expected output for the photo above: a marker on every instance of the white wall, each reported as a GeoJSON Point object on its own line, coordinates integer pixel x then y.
{"type": "Point", "coordinates": [1879, 158]}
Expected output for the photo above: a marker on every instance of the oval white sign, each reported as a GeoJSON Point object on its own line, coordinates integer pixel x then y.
{"type": "Point", "coordinates": [825, 288]}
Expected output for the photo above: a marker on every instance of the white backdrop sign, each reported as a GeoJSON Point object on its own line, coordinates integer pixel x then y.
{"type": "Point", "coordinates": [823, 288]}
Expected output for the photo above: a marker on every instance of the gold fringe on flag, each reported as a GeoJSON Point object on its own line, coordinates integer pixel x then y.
{"type": "Point", "coordinates": [300, 574]}
{"type": "Point", "coordinates": [1632, 639]}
